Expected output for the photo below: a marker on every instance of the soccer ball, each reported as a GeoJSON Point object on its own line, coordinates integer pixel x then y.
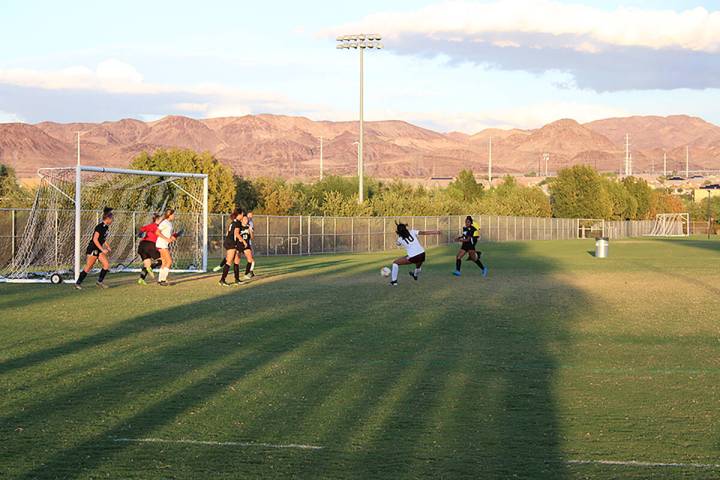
{"type": "Point", "coordinates": [385, 272]}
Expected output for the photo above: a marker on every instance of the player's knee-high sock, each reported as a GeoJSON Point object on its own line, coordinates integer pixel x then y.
{"type": "Point", "coordinates": [226, 270]}
{"type": "Point", "coordinates": [81, 277]}
{"type": "Point", "coordinates": [101, 278]}
{"type": "Point", "coordinates": [236, 271]}
{"type": "Point", "coordinates": [395, 272]}
{"type": "Point", "coordinates": [479, 263]}
{"type": "Point", "coordinates": [252, 266]}
{"type": "Point", "coordinates": [164, 272]}
{"type": "Point", "coordinates": [458, 264]}
{"type": "Point", "coordinates": [248, 268]}
{"type": "Point", "coordinates": [143, 273]}
{"type": "Point", "coordinates": [223, 263]}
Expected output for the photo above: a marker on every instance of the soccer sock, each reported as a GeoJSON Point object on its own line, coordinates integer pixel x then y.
{"type": "Point", "coordinates": [248, 268]}
{"type": "Point", "coordinates": [223, 263]}
{"type": "Point", "coordinates": [236, 271]}
{"type": "Point", "coordinates": [252, 266]}
{"type": "Point", "coordinates": [226, 270]}
{"type": "Point", "coordinates": [101, 278]}
{"type": "Point", "coordinates": [479, 263]}
{"type": "Point", "coordinates": [81, 277]}
{"type": "Point", "coordinates": [164, 272]}
{"type": "Point", "coordinates": [395, 271]}
{"type": "Point", "coordinates": [417, 271]}
{"type": "Point", "coordinates": [458, 264]}
{"type": "Point", "coordinates": [143, 273]}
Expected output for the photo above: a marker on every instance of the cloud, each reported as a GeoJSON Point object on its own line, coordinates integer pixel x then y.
{"type": "Point", "coordinates": [114, 89]}
{"type": "Point", "coordinates": [622, 49]}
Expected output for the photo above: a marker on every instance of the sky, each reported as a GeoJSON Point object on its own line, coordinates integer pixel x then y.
{"type": "Point", "coordinates": [447, 65]}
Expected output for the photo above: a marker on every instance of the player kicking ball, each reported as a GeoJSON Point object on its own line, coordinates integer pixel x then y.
{"type": "Point", "coordinates": [469, 238]}
{"type": "Point", "coordinates": [409, 239]}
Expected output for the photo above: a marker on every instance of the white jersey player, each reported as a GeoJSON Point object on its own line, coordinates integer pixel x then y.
{"type": "Point", "coordinates": [415, 253]}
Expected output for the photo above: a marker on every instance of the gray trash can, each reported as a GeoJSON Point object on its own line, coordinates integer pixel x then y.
{"type": "Point", "coordinates": [602, 245]}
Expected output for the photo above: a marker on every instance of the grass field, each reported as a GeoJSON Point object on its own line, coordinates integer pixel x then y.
{"type": "Point", "coordinates": [556, 358]}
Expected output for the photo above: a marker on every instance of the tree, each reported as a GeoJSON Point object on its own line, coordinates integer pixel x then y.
{"type": "Point", "coordinates": [577, 192]}
{"type": "Point", "coordinates": [512, 199]}
{"type": "Point", "coordinates": [246, 195]}
{"type": "Point", "coordinates": [465, 187]}
{"type": "Point", "coordinates": [624, 205]}
{"type": "Point", "coordinates": [12, 194]}
{"type": "Point", "coordinates": [640, 191]}
{"type": "Point", "coordinates": [221, 187]}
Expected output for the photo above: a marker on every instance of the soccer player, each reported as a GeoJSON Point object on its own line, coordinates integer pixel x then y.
{"type": "Point", "coordinates": [164, 238]}
{"type": "Point", "coordinates": [245, 246]}
{"type": "Point", "coordinates": [236, 214]}
{"type": "Point", "coordinates": [147, 249]}
{"type": "Point", "coordinates": [98, 249]}
{"type": "Point", "coordinates": [469, 238]}
{"type": "Point", "coordinates": [232, 239]}
{"type": "Point", "coordinates": [252, 242]}
{"type": "Point", "coordinates": [409, 239]}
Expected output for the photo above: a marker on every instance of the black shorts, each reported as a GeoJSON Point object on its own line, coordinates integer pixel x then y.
{"type": "Point", "coordinates": [93, 251]}
{"type": "Point", "coordinates": [148, 250]}
{"type": "Point", "coordinates": [468, 246]}
{"type": "Point", "coordinates": [418, 260]}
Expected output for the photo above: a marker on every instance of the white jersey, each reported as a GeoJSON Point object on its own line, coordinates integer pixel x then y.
{"type": "Point", "coordinates": [412, 247]}
{"type": "Point", "coordinates": [166, 228]}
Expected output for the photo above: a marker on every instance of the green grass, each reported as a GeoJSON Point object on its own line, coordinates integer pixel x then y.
{"type": "Point", "coordinates": [557, 356]}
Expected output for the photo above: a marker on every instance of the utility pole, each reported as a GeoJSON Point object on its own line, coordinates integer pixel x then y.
{"type": "Point", "coordinates": [546, 157]}
{"type": "Point", "coordinates": [627, 154]}
{"type": "Point", "coordinates": [321, 158]}
{"type": "Point", "coordinates": [687, 161]}
{"type": "Point", "coordinates": [490, 161]}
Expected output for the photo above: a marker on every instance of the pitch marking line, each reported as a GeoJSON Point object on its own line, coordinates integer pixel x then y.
{"type": "Point", "coordinates": [218, 444]}
{"type": "Point", "coordinates": [632, 463]}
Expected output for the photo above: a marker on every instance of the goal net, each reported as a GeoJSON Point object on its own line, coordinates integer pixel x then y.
{"type": "Point", "coordinates": [671, 225]}
{"type": "Point", "coordinates": [69, 204]}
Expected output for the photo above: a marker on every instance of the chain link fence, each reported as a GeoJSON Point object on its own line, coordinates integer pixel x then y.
{"type": "Point", "coordinates": [303, 235]}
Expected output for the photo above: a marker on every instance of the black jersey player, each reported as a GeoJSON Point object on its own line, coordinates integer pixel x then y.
{"type": "Point", "coordinates": [98, 249]}
{"type": "Point", "coordinates": [469, 238]}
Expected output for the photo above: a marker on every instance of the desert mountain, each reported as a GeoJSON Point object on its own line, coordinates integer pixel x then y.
{"type": "Point", "coordinates": [255, 145]}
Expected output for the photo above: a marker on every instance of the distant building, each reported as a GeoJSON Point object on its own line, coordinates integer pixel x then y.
{"type": "Point", "coordinates": [700, 194]}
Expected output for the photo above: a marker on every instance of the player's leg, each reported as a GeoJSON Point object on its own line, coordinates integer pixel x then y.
{"type": "Point", "coordinates": [475, 257]}
{"type": "Point", "coordinates": [418, 262]}
{"type": "Point", "coordinates": [166, 264]}
{"type": "Point", "coordinates": [227, 261]}
{"type": "Point", "coordinates": [89, 264]}
{"type": "Point", "coordinates": [105, 263]}
{"type": "Point", "coordinates": [236, 266]}
{"type": "Point", "coordinates": [396, 269]}
{"type": "Point", "coordinates": [458, 261]}
{"type": "Point", "coordinates": [250, 263]}
{"type": "Point", "coordinates": [217, 268]}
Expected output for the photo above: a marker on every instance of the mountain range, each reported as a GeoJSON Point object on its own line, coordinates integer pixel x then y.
{"type": "Point", "coordinates": [274, 145]}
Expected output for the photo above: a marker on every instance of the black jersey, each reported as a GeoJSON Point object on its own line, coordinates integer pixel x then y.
{"type": "Point", "coordinates": [245, 233]}
{"type": "Point", "coordinates": [230, 236]}
{"type": "Point", "coordinates": [470, 235]}
{"type": "Point", "coordinates": [102, 230]}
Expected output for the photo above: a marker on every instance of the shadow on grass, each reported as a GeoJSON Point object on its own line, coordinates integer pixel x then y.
{"type": "Point", "coordinates": [444, 378]}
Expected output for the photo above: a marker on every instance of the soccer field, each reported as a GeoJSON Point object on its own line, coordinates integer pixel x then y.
{"type": "Point", "coordinates": [555, 366]}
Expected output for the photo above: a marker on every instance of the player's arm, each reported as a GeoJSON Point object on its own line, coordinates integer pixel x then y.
{"type": "Point", "coordinates": [170, 239]}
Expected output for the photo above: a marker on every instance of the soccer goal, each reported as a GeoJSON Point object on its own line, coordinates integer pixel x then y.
{"type": "Point", "coordinates": [671, 225]}
{"type": "Point", "coordinates": [69, 204]}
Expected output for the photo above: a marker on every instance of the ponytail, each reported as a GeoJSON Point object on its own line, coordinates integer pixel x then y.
{"type": "Point", "coordinates": [404, 233]}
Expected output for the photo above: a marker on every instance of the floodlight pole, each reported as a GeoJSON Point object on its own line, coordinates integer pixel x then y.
{"type": "Point", "coordinates": [321, 158]}
{"type": "Point", "coordinates": [360, 42]}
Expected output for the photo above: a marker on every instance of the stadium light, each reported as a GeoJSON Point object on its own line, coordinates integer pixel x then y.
{"type": "Point", "coordinates": [360, 42]}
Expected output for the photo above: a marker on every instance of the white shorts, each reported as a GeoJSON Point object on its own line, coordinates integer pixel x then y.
{"type": "Point", "coordinates": [160, 243]}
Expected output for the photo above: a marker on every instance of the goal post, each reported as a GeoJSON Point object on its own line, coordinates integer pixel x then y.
{"type": "Point", "coordinates": [69, 202]}
{"type": "Point", "coordinates": [671, 225]}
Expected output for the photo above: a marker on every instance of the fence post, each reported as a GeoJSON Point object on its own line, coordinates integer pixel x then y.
{"type": "Point", "coordinates": [134, 234]}
{"type": "Point", "coordinates": [352, 234]}
{"type": "Point", "coordinates": [384, 234]}
{"type": "Point", "coordinates": [309, 235]}
{"type": "Point", "coordinates": [13, 227]}
{"type": "Point", "coordinates": [267, 234]}
{"type": "Point", "coordinates": [368, 223]}
{"type": "Point", "coordinates": [322, 233]}
{"type": "Point", "coordinates": [288, 237]}
{"type": "Point", "coordinates": [57, 253]}
{"type": "Point", "coordinates": [300, 237]}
